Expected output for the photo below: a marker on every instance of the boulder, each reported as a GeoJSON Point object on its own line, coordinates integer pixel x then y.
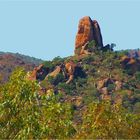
{"type": "Point", "coordinates": [88, 30]}
{"type": "Point", "coordinates": [125, 60]}
{"type": "Point", "coordinates": [104, 83]}
{"type": "Point", "coordinates": [55, 72]}
{"type": "Point", "coordinates": [42, 72]}
{"type": "Point", "coordinates": [100, 84]}
{"type": "Point", "coordinates": [104, 91]}
{"type": "Point", "coordinates": [70, 69]}
{"type": "Point", "coordinates": [130, 63]}
{"type": "Point", "coordinates": [38, 73]}
{"type": "Point", "coordinates": [33, 75]}
{"type": "Point", "coordinates": [118, 85]}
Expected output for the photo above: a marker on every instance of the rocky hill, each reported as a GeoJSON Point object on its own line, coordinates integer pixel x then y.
{"type": "Point", "coordinates": [95, 72]}
{"type": "Point", "coordinates": [9, 61]}
{"type": "Point", "coordinates": [94, 94]}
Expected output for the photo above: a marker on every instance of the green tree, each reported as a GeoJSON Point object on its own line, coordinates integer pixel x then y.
{"type": "Point", "coordinates": [25, 115]}
{"type": "Point", "coordinates": [49, 65]}
{"type": "Point", "coordinates": [105, 121]}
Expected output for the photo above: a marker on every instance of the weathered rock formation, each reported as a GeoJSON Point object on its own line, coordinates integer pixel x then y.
{"type": "Point", "coordinates": [55, 72]}
{"type": "Point", "coordinates": [38, 73]}
{"type": "Point", "coordinates": [103, 87]}
{"type": "Point", "coordinates": [70, 69]}
{"type": "Point", "coordinates": [88, 30]}
{"type": "Point", "coordinates": [130, 63]}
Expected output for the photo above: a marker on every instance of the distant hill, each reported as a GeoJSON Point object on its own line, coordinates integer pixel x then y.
{"type": "Point", "coordinates": [9, 61]}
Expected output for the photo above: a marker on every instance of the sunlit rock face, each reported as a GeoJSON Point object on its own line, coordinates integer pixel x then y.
{"type": "Point", "coordinates": [88, 30]}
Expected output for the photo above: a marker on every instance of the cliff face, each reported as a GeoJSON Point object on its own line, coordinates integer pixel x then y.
{"type": "Point", "coordinates": [88, 30]}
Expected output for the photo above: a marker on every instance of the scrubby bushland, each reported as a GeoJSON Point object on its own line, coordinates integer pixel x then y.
{"type": "Point", "coordinates": [26, 115]}
{"type": "Point", "coordinates": [102, 101]}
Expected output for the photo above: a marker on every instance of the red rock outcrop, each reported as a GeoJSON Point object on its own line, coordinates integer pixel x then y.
{"type": "Point", "coordinates": [130, 63]}
{"type": "Point", "coordinates": [88, 30]}
{"type": "Point", "coordinates": [70, 69]}
{"type": "Point", "coordinates": [38, 73]}
{"type": "Point", "coordinates": [55, 72]}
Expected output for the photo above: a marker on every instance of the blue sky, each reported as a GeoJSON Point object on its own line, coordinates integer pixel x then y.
{"type": "Point", "coordinates": [46, 29]}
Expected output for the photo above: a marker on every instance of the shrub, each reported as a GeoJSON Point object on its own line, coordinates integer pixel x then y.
{"type": "Point", "coordinates": [68, 88]}
{"type": "Point", "coordinates": [137, 74]}
{"type": "Point", "coordinates": [56, 80]}
{"type": "Point", "coordinates": [49, 64]}
{"type": "Point", "coordinates": [104, 121]}
{"type": "Point", "coordinates": [25, 116]}
{"type": "Point", "coordinates": [57, 60]}
{"type": "Point", "coordinates": [91, 46]}
{"type": "Point", "coordinates": [88, 59]}
{"type": "Point", "coordinates": [111, 87]}
{"type": "Point", "coordinates": [136, 108]}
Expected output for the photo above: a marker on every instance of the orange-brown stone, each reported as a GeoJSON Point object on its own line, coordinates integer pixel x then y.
{"type": "Point", "coordinates": [70, 68]}
{"type": "Point", "coordinates": [88, 30]}
{"type": "Point", "coordinates": [85, 32]}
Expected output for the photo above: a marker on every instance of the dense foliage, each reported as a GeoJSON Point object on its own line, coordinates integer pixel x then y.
{"type": "Point", "coordinates": [103, 120]}
{"type": "Point", "coordinates": [26, 115]}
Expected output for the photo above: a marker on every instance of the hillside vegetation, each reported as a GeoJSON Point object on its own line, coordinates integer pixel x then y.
{"type": "Point", "coordinates": [102, 100]}
{"type": "Point", "coordinates": [9, 61]}
{"type": "Point", "coordinates": [94, 94]}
